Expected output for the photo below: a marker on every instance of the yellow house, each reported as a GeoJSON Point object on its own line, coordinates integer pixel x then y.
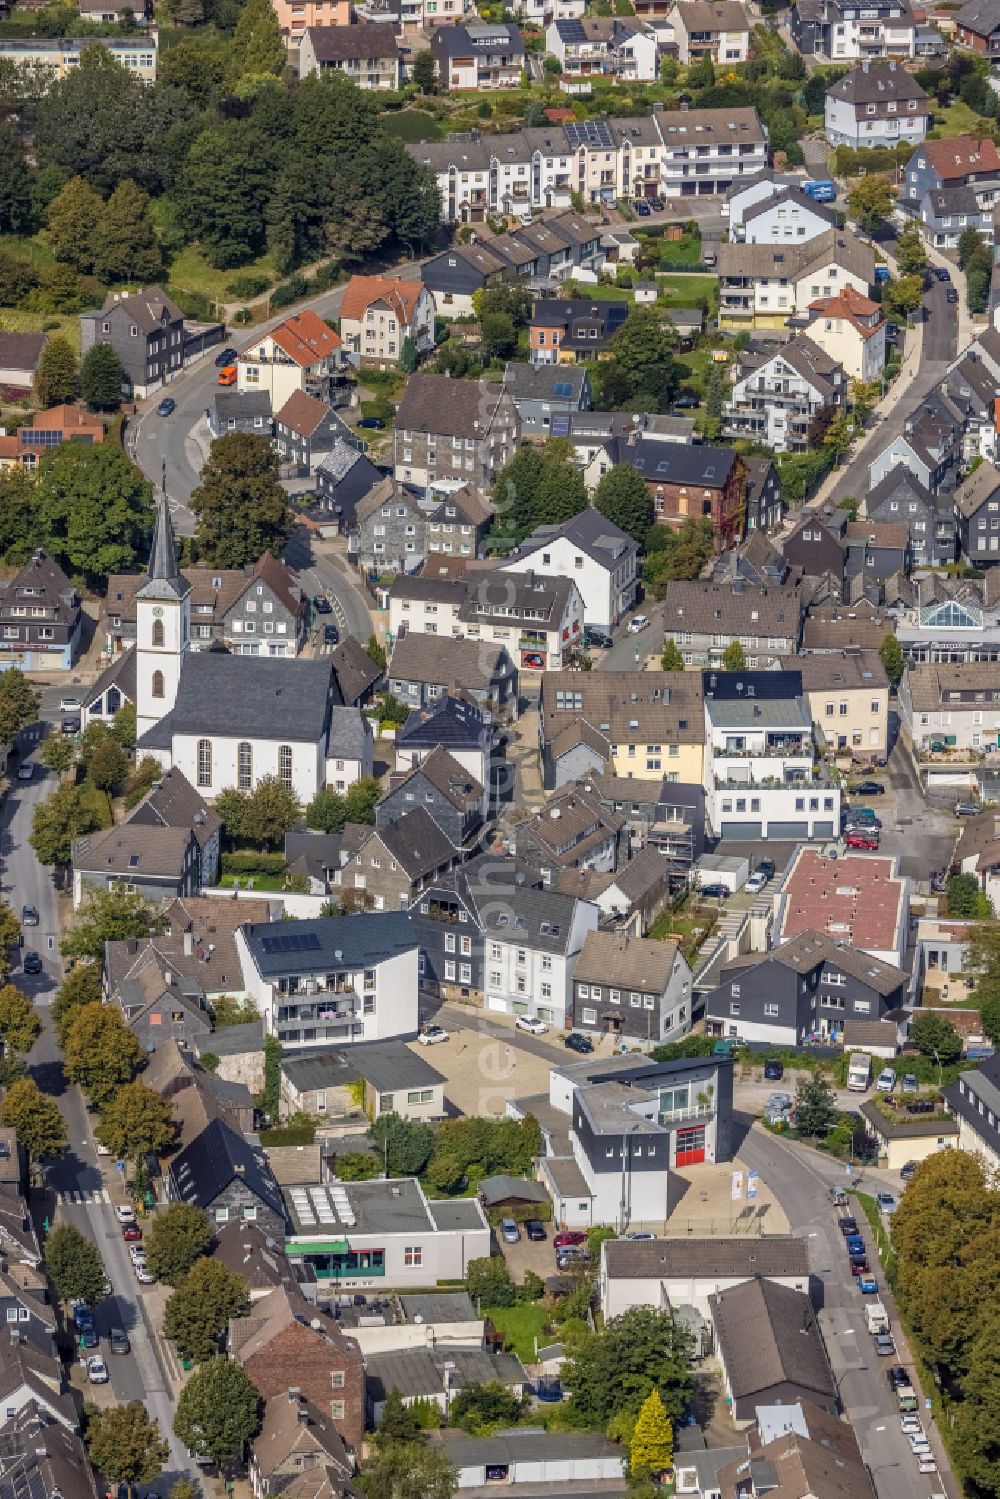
{"type": "Point", "coordinates": [635, 724]}
{"type": "Point", "coordinates": [848, 696]}
{"type": "Point", "coordinates": [762, 286]}
{"type": "Point", "coordinates": [302, 353]}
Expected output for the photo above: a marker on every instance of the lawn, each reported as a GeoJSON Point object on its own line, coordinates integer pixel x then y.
{"type": "Point", "coordinates": [258, 881]}
{"type": "Point", "coordinates": [31, 248]}
{"type": "Point", "coordinates": [520, 1326]}
{"type": "Point", "coordinates": [412, 125]}
{"type": "Point", "coordinates": [12, 320]}
{"type": "Point", "coordinates": [681, 290]}
{"type": "Point", "coordinates": [599, 292]}
{"type": "Point", "coordinates": [695, 366]}
{"type": "Point", "coordinates": [686, 251]}
{"type": "Point", "coordinates": [191, 272]}
{"type": "Point", "coordinates": [956, 119]}
{"type": "Point", "coordinates": [689, 927]}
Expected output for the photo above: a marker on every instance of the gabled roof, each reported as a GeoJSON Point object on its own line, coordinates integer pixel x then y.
{"type": "Point", "coordinates": [295, 1432]}
{"type": "Point", "coordinates": [712, 15]}
{"type": "Point", "coordinates": [961, 155]}
{"type": "Point", "coordinates": [416, 843]}
{"type": "Point", "coordinates": [252, 697]}
{"type": "Point", "coordinates": [354, 669]}
{"type": "Point", "coordinates": [304, 414]}
{"type": "Point", "coordinates": [135, 850]}
{"type": "Point", "coordinates": [976, 488]}
{"type": "Point", "coordinates": [448, 776]}
{"type": "Point", "coordinates": [362, 39]}
{"type": "Point", "coordinates": [810, 949]}
{"type": "Point", "coordinates": [304, 337]}
{"type": "Point", "coordinates": [43, 581]}
{"type": "Point", "coordinates": [449, 722]}
{"type": "Point", "coordinates": [822, 211]}
{"type": "Point", "coordinates": [451, 662]}
{"type": "Point", "coordinates": [601, 540]}
{"type": "Point", "coordinates": [633, 962]}
{"type": "Point", "coordinates": [21, 351]}
{"type": "Point", "coordinates": [982, 17]}
{"type": "Point", "coordinates": [362, 292]}
{"type": "Point", "coordinates": [172, 802]}
{"type": "Point", "coordinates": [873, 82]}
{"type": "Point", "coordinates": [148, 309]}
{"type": "Point", "coordinates": [660, 462]}
{"type": "Point", "coordinates": [203, 1171]}
{"type": "Point", "coordinates": [448, 408]}
{"type": "Point", "coordinates": [768, 1335]}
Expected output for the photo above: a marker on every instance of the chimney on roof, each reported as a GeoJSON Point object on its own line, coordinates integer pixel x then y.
{"type": "Point", "coordinates": [294, 1395]}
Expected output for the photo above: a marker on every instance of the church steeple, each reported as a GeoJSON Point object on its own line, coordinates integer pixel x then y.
{"type": "Point", "coordinates": [165, 579]}
{"type": "Point", "coordinates": [162, 625]}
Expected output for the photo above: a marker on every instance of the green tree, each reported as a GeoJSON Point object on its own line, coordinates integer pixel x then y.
{"type": "Point", "coordinates": [479, 1406]}
{"type": "Point", "coordinates": [223, 189]}
{"type": "Point", "coordinates": [272, 1076]}
{"type": "Point", "coordinates": [933, 1036]}
{"type": "Point", "coordinates": [892, 658]}
{"type": "Point", "coordinates": [408, 1470]}
{"type": "Point", "coordinates": [422, 71]}
{"type": "Point", "coordinates": [101, 1053]}
{"type": "Point", "coordinates": [327, 812]}
{"type": "Point", "coordinates": [36, 1118]}
{"type": "Point", "coordinates": [989, 1016]}
{"type": "Point", "coordinates": [978, 278]}
{"type": "Point", "coordinates": [399, 1423]}
{"type": "Point", "coordinates": [671, 660]}
{"type": "Point", "coordinates": [257, 44]}
{"type": "Point", "coordinates": [96, 510]}
{"type": "Point", "coordinates": [640, 1351]}
{"type": "Point", "coordinates": [870, 202]}
{"type": "Point", "coordinates": [10, 931]}
{"type": "Point", "coordinates": [651, 1449]}
{"type": "Point", "coordinates": [81, 986]}
{"type": "Point", "coordinates": [676, 554]}
{"type": "Point", "coordinates": [126, 247]}
{"type": "Point", "coordinates": [538, 486]}
{"type": "Point", "coordinates": [408, 355]}
{"type": "Point", "coordinates": [124, 726]}
{"type": "Point", "coordinates": [58, 753]}
{"type": "Point", "coordinates": [125, 1444]}
{"type": "Point", "coordinates": [241, 509]}
{"type": "Point", "coordinates": [101, 376]}
{"type": "Point", "coordinates": [837, 438]}
{"type": "Point", "coordinates": [357, 1166]}
{"type": "Point", "coordinates": [733, 657]}
{"type": "Point", "coordinates": [74, 1264]}
{"type": "Point", "coordinates": [622, 498]}
{"type": "Point", "coordinates": [19, 702]}
{"type": "Point", "coordinates": [271, 809]}
{"type": "Point", "coordinates": [970, 244]}
{"type": "Point", "coordinates": [136, 1123]}
{"type": "Point", "coordinates": [377, 652]}
{"type": "Point", "coordinates": [641, 357]}
{"type": "Point", "coordinates": [903, 296]}
{"type": "Point", "coordinates": [108, 764]}
{"type": "Point", "coordinates": [72, 221]}
{"type": "Point", "coordinates": [966, 900]}
{"type": "Point", "coordinates": [109, 916]}
{"type": "Point", "coordinates": [20, 1027]}
{"type": "Point", "coordinates": [55, 822]}
{"type": "Point", "coordinates": [488, 1282]}
{"type": "Point", "coordinates": [911, 252]}
{"type": "Point", "coordinates": [405, 1144]}
{"type": "Point", "coordinates": [815, 1106]}
{"type": "Point", "coordinates": [715, 400]}
{"type": "Point", "coordinates": [218, 1412]}
{"type": "Point", "coordinates": [16, 215]}
{"type": "Point", "coordinates": [361, 800]}
{"type": "Point", "coordinates": [498, 335]}
{"type": "Point", "coordinates": [19, 530]}
{"type": "Point", "coordinates": [58, 375]}
{"type": "Point", "coordinates": [198, 1312]}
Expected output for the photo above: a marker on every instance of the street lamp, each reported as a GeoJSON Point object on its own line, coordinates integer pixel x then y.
{"type": "Point", "coordinates": [940, 1070]}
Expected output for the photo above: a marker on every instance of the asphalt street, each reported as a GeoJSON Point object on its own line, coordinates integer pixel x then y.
{"type": "Point", "coordinates": [323, 570]}
{"type": "Point", "coordinates": [800, 1182]}
{"type": "Point", "coordinates": [75, 1183]}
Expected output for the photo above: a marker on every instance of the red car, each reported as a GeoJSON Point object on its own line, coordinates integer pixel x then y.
{"type": "Point", "coordinates": [567, 1237]}
{"type": "Point", "coordinates": [861, 840]}
{"type": "Point", "coordinates": [859, 1265]}
{"type": "Point", "coordinates": [131, 1232]}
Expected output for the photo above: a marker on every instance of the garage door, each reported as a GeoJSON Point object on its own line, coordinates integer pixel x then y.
{"type": "Point", "coordinates": [528, 1472]}
{"type": "Point", "coordinates": [822, 829]}
{"type": "Point", "coordinates": [741, 830]}
{"type": "Point", "coordinates": [558, 1471]}
{"type": "Point", "coordinates": [788, 830]}
{"type": "Point", "coordinates": [691, 1146]}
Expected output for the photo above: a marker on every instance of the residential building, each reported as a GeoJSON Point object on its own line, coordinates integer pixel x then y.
{"type": "Point", "coordinates": [763, 502]}
{"type": "Point", "coordinates": [762, 286]}
{"type": "Point", "coordinates": [453, 429]}
{"type": "Point", "coordinates": [544, 391]}
{"type": "Point", "coordinates": [977, 512]}
{"type": "Point", "coordinates": [632, 988]}
{"type": "Point", "coordinates": [436, 1373]}
{"type": "Point", "coordinates": [43, 1456]}
{"type": "Point", "coordinates": [833, 627]}
{"type": "Point", "coordinates": [337, 978]}
{"type": "Point", "coordinates": [930, 446]}
{"type": "Point", "coordinates": [761, 188]}
{"type": "Point", "coordinates": [241, 411]}
{"type": "Point", "coordinates": [454, 276]}
{"type": "Point", "coordinates": [970, 387]}
{"type": "Point", "coordinates": [379, 1235]}
{"type": "Point", "coordinates": [801, 1448]}
{"type": "Point", "coordinates": [803, 991]}
{"type": "Point", "coordinates": [974, 1100]}
{"type": "Point", "coordinates": [947, 211]}
{"type": "Point", "coordinates": [601, 559]}
{"type": "Point", "coordinates": [680, 1272]}
{"type": "Point", "coordinates": [684, 481]}
{"type": "Point", "coordinates": [454, 724]}
{"type": "Point", "coordinates": [40, 617]}
{"type": "Point", "coordinates": [851, 329]}
{"type": "Point", "coordinates": [296, 1437]}
{"type": "Point", "coordinates": [539, 617]}
{"type": "Point", "coordinates": [366, 52]}
{"type": "Point", "coordinates": [706, 150]}
{"type": "Point", "coordinates": [977, 26]}
{"type": "Point", "coordinates": [20, 354]}
{"type": "Point", "coordinates": [558, 247]}
{"type": "Point", "coordinates": [952, 185]}
{"type": "Point", "coordinates": [719, 29]}
{"type": "Point", "coordinates": [151, 861]}
{"type": "Point", "coordinates": [859, 899]}
{"type": "Point", "coordinates": [877, 104]}
{"type": "Point", "coordinates": [195, 1095]}
{"type": "Point", "coordinates": [444, 789]}
{"type": "Point", "coordinates": [770, 1348]}
{"type": "Point", "coordinates": [458, 521]}
{"type": "Point", "coordinates": [903, 1138]}
{"type": "Point", "coordinates": [379, 313]}
{"type": "Point", "coordinates": [900, 497]}
{"type": "Point", "coordinates": [357, 674]}
{"type": "Point", "coordinates": [146, 331]}
{"type": "Point", "coordinates": [573, 831]}
{"type": "Point", "coordinates": [54, 57]}
{"type": "Point", "coordinates": [563, 332]}
{"type": "Point", "coordinates": [951, 705]}
{"type": "Point", "coordinates": [306, 431]}
{"type": "Point", "coordinates": [389, 533]}
{"type": "Point", "coordinates": [425, 667]}
{"type": "Point", "coordinates": [650, 723]}
{"type": "Point", "coordinates": [295, 16]}
{"type": "Point", "coordinates": [778, 394]}
{"type": "Point", "coordinates": [876, 551]}
{"type": "Point", "coordinates": [286, 1344]}
{"type": "Point", "coordinates": [777, 215]}
{"type": "Point", "coordinates": [397, 861]}
{"type": "Point", "coordinates": [840, 31]}
{"type": "Point", "coordinates": [342, 480]}
{"type": "Point", "coordinates": [478, 55]}
{"type": "Point", "coordinates": [626, 49]}
{"type": "Point", "coordinates": [35, 1392]}
{"type": "Point", "coordinates": [704, 618]}
{"type": "Point", "coordinates": [229, 1179]}
{"type": "Point", "coordinates": [48, 429]}
{"type": "Point", "coordinates": [396, 1080]}
{"type": "Point", "coordinates": [761, 774]}
{"type": "Point", "coordinates": [848, 697]}
{"type": "Point", "coordinates": [531, 941]}
{"type": "Point", "coordinates": [301, 353]}
{"type": "Point", "coordinates": [816, 545]}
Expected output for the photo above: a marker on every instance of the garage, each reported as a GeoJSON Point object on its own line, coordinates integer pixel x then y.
{"type": "Point", "coordinates": [790, 830]}
{"type": "Point", "coordinates": [822, 829]}
{"type": "Point", "coordinates": [690, 1149]}
{"type": "Point", "coordinates": [535, 1457]}
{"type": "Point", "coordinates": [742, 832]}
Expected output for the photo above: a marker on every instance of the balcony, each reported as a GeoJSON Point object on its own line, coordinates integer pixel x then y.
{"type": "Point", "coordinates": [776, 783]}
{"type": "Point", "coordinates": [693, 1111]}
{"type": "Point", "coordinates": [775, 748]}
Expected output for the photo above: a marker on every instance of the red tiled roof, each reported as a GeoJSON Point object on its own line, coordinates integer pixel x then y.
{"type": "Point", "coordinates": [858, 899]}
{"type": "Point", "coordinates": [361, 291]}
{"type": "Point", "coordinates": [955, 158]}
{"type": "Point", "coordinates": [559, 116]}
{"type": "Point", "coordinates": [852, 307]}
{"type": "Point", "coordinates": [305, 338]}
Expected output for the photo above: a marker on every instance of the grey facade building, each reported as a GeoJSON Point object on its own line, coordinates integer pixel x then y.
{"type": "Point", "coordinates": [240, 411]}
{"type": "Point", "coordinates": [172, 802]}
{"type": "Point", "coordinates": [977, 513]}
{"type": "Point", "coordinates": [426, 667]}
{"type": "Point", "coordinates": [343, 478]}
{"type": "Point", "coordinates": [703, 618]}
{"type": "Point", "coordinates": [151, 861]}
{"type": "Point", "coordinates": [900, 497]}
{"type": "Point", "coordinates": [632, 988]}
{"type": "Point", "coordinates": [40, 617]}
{"type": "Point", "coordinates": [445, 789]}
{"type": "Point", "coordinates": [390, 529]}
{"type": "Point", "coordinates": [146, 331]}
{"type": "Point", "coordinates": [399, 860]}
{"type": "Point", "coordinates": [229, 1179]}
{"type": "Point", "coordinates": [454, 429]}
{"type": "Point", "coordinates": [306, 431]}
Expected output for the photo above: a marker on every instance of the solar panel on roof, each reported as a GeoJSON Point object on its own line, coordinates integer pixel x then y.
{"type": "Point", "coordinates": [562, 388]}
{"type": "Point", "coordinates": [559, 426]}
{"type": "Point", "coordinates": [572, 31]}
{"type": "Point", "coordinates": [588, 132]}
{"type": "Point", "coordinates": [293, 942]}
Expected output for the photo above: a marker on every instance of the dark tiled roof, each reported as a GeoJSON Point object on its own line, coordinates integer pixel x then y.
{"type": "Point", "coordinates": [361, 40]}
{"type": "Point", "coordinates": [257, 697]}
{"type": "Point", "coordinates": [354, 669]}
{"type": "Point", "coordinates": [449, 408]}
{"type": "Point", "coordinates": [416, 843]}
{"type": "Point", "coordinates": [207, 1166]}
{"type": "Point", "coordinates": [768, 1335]}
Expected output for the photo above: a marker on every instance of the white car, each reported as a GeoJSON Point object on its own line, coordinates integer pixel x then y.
{"type": "Point", "coordinates": [432, 1034]}
{"type": "Point", "coordinates": [137, 1254]}
{"type": "Point", "coordinates": [531, 1024]}
{"type": "Point", "coordinates": [69, 705]}
{"type": "Point", "coordinates": [755, 883]}
{"type": "Point", "coordinates": [926, 1463]}
{"type": "Point", "coordinates": [638, 623]}
{"type": "Point", "coordinates": [143, 1274]}
{"type": "Point", "coordinates": [97, 1369]}
{"type": "Point", "coordinates": [919, 1445]}
{"type": "Point", "coordinates": [886, 1080]}
{"type": "Point", "coordinates": [26, 771]}
{"type": "Point", "coordinates": [910, 1426]}
{"type": "Point", "coordinates": [126, 1213]}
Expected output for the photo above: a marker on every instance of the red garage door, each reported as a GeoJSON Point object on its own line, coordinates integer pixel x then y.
{"type": "Point", "coordinates": [691, 1146]}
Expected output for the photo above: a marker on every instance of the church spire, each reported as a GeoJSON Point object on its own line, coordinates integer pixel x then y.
{"type": "Point", "coordinates": [164, 579]}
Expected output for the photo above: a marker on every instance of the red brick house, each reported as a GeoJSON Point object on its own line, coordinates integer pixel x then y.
{"type": "Point", "coordinates": [691, 480]}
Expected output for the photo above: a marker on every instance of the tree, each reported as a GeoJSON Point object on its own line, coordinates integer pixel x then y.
{"type": "Point", "coordinates": [911, 252]}
{"type": "Point", "coordinates": [75, 1266]}
{"type": "Point", "coordinates": [651, 1449]}
{"type": "Point", "coordinates": [109, 916]}
{"type": "Point", "coordinates": [55, 822]}
{"type": "Point", "coordinates": [870, 202]}
{"type": "Point", "coordinates": [222, 189]}
{"type": "Point", "coordinates": [101, 1053]}
{"type": "Point", "coordinates": [538, 486]}
{"type": "Point", "coordinates": [933, 1036]}
{"type": "Point", "coordinates": [622, 498]}
{"type": "Point", "coordinates": [642, 360]}
{"type": "Point", "coordinates": [36, 1118]}
{"type": "Point", "coordinates": [123, 726]}
{"type": "Point", "coordinates": [241, 509]}
{"type": "Point", "coordinates": [218, 1411]}
{"type": "Point", "coordinates": [357, 1166]}
{"type": "Point", "coordinates": [19, 702]}
{"type": "Point", "coordinates": [125, 1444]}
{"type": "Point", "coordinates": [405, 1144]}
{"type": "Point", "coordinates": [108, 764]}
{"type": "Point", "coordinates": [671, 660]}
{"type": "Point", "coordinates": [58, 376]}
{"type": "Point", "coordinates": [58, 753]}
{"type": "Point", "coordinates": [16, 215]}
{"type": "Point", "coordinates": [96, 509]}
{"type": "Point", "coordinates": [864, 396]}
{"type": "Point", "coordinates": [715, 397]}
{"type": "Point", "coordinates": [422, 71]}
{"type": "Point", "coordinates": [733, 657]}
{"type": "Point", "coordinates": [72, 221]}
{"type": "Point", "coordinates": [377, 652]}
{"type": "Point", "coordinates": [177, 1237]}
{"type": "Point", "coordinates": [10, 931]}
{"type": "Point", "coordinates": [408, 355]}
{"type": "Point", "coordinates": [361, 800]}
{"type": "Point", "coordinates": [970, 244]}
{"type": "Point", "coordinates": [676, 554]}
{"type": "Point", "coordinates": [136, 1123]}
{"type": "Point", "coordinates": [270, 810]}
{"type": "Point", "coordinates": [257, 42]}
{"type": "Point", "coordinates": [485, 1405]}
{"type": "Point", "coordinates": [198, 1312]}
{"type": "Point", "coordinates": [408, 1470]}
{"type": "Point", "coordinates": [641, 1351]}
{"type": "Point", "coordinates": [101, 376]}
{"type": "Point", "coordinates": [20, 1027]}
{"type": "Point", "coordinates": [965, 899]}
{"type": "Point", "coordinates": [815, 1106]}
{"type": "Point", "coordinates": [81, 986]}
{"type": "Point", "coordinates": [125, 244]}
{"type": "Point", "coordinates": [978, 278]}
{"type": "Point", "coordinates": [903, 296]}
{"type": "Point", "coordinates": [892, 658]}
{"type": "Point", "coordinates": [837, 437]}
{"type": "Point", "coordinates": [399, 1423]}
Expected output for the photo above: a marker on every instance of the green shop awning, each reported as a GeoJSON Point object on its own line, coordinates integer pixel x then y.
{"type": "Point", "coordinates": [316, 1246]}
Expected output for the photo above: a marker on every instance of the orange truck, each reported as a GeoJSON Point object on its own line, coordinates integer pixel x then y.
{"type": "Point", "coordinates": [227, 375]}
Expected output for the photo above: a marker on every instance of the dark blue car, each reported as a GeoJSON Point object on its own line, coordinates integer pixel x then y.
{"type": "Point", "coordinates": [855, 1245]}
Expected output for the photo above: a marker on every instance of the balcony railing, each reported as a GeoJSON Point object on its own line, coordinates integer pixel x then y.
{"type": "Point", "coordinates": [775, 783]}
{"type": "Point", "coordinates": [693, 1111]}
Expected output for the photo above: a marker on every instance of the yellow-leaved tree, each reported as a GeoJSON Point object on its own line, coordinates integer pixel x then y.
{"type": "Point", "coordinates": [651, 1450]}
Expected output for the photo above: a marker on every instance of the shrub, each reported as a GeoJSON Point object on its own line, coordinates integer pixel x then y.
{"type": "Point", "coordinates": [248, 861]}
{"type": "Point", "coordinates": [249, 286]}
{"type": "Point", "coordinates": [289, 291]}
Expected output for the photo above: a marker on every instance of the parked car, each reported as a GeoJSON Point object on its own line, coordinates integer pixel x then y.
{"type": "Point", "coordinates": [774, 1070]}
{"type": "Point", "coordinates": [372, 423]}
{"type": "Point", "coordinates": [714, 892]}
{"type": "Point", "coordinates": [639, 1233]}
{"type": "Point", "coordinates": [897, 1377]}
{"type": "Point", "coordinates": [97, 1369]}
{"type": "Point", "coordinates": [951, 295]}
{"type": "Point", "coordinates": [967, 809]}
{"type": "Point", "coordinates": [131, 1233]}
{"type": "Point", "coordinates": [531, 1024]}
{"type": "Point", "coordinates": [70, 724]}
{"type": "Point", "coordinates": [322, 604]}
{"type": "Point", "coordinates": [926, 1463]}
{"type": "Point", "coordinates": [855, 1244]}
{"type": "Point", "coordinates": [32, 962]}
{"type": "Point", "coordinates": [431, 1035]}
{"type": "Point", "coordinates": [686, 401]}
{"type": "Point", "coordinates": [886, 1080]}
{"type": "Point", "coordinates": [509, 1231]}
{"type": "Point", "coordinates": [766, 866]}
{"type": "Point", "coordinates": [638, 623]}
{"type": "Point", "coordinates": [224, 357]}
{"type": "Point", "coordinates": [535, 1229]}
{"type": "Point", "coordinates": [26, 770]}
{"type": "Point", "coordinates": [866, 841]}
{"type": "Point", "coordinates": [861, 817]}
{"type": "Point", "coordinates": [576, 1042]}
{"type": "Point", "coordinates": [576, 1254]}
{"type": "Point", "coordinates": [910, 1084]}
{"type": "Point", "coordinates": [137, 1254]}
{"type": "Point", "coordinates": [755, 883]}
{"type": "Point", "coordinates": [860, 1265]}
{"type": "Point", "coordinates": [868, 788]}
{"type": "Point", "coordinates": [886, 1202]}
{"type": "Point", "coordinates": [118, 1340]}
{"type": "Point", "coordinates": [867, 1284]}
{"type": "Point", "coordinates": [942, 273]}
{"type": "Point", "coordinates": [884, 1346]}
{"type": "Point", "coordinates": [331, 635]}
{"type": "Point", "coordinates": [643, 210]}
{"type": "Point", "coordinates": [29, 915]}
{"type": "Point", "coordinates": [143, 1274]}
{"type": "Point", "coordinates": [167, 406]}
{"type": "Point", "coordinates": [597, 640]}
{"type": "Point", "coordinates": [779, 1101]}
{"type": "Point", "coordinates": [848, 1226]}
{"type": "Point", "coordinates": [908, 1171]}
{"type": "Point", "coordinates": [125, 1212]}
{"type": "Point", "coordinates": [69, 705]}
{"type": "Point", "coordinates": [567, 1237]}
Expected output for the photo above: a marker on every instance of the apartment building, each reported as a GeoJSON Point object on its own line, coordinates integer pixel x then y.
{"type": "Point", "coordinates": [719, 29]}
{"type": "Point", "coordinates": [977, 26]}
{"type": "Point", "coordinates": [297, 16]}
{"type": "Point", "coordinates": [704, 618]}
{"type": "Point", "coordinates": [763, 286]}
{"type": "Point", "coordinates": [366, 52]}
{"type": "Point", "coordinates": [778, 395]}
{"type": "Point", "coordinates": [690, 481]}
{"type": "Point", "coordinates": [954, 704]}
{"type": "Point", "coordinates": [778, 216]}
{"type": "Point", "coordinates": [302, 353]}
{"type": "Point", "coordinates": [848, 697]}
{"type": "Point", "coordinates": [145, 329]}
{"type": "Point", "coordinates": [851, 330]}
{"type": "Point", "coordinates": [844, 30]}
{"type": "Point", "coordinates": [539, 619]}
{"type": "Point", "coordinates": [478, 56]}
{"type": "Point", "coordinates": [877, 104]}
{"type": "Point", "coordinates": [379, 313]}
{"type": "Point", "coordinates": [57, 56]}
{"type": "Point", "coordinates": [625, 49]}
{"type": "Point", "coordinates": [453, 429]}
{"type": "Point", "coordinates": [953, 185]}
{"type": "Point", "coordinates": [601, 560]}
{"type": "Point", "coordinates": [563, 332]}
{"type": "Point", "coordinates": [646, 724]}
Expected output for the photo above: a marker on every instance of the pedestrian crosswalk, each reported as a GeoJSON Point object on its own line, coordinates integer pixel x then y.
{"type": "Point", "coordinates": [99, 1194]}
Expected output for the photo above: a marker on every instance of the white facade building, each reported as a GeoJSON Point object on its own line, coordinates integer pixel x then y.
{"type": "Point", "coordinates": [759, 778]}
{"type": "Point", "coordinates": [601, 560]}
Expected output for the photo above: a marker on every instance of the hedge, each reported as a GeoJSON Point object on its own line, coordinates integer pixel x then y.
{"type": "Point", "coordinates": [248, 861]}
